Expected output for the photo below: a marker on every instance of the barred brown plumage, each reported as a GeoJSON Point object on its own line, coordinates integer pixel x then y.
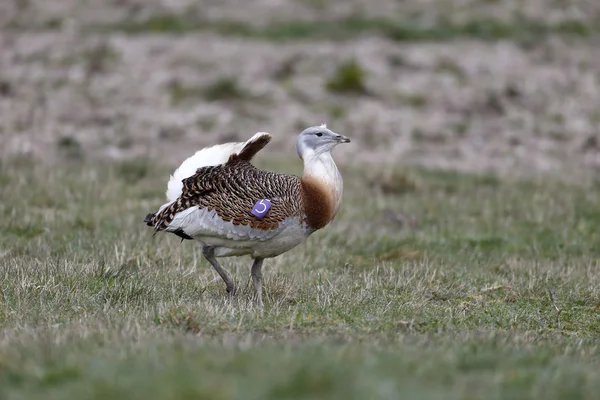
{"type": "Point", "coordinates": [231, 189]}
{"type": "Point", "coordinates": [212, 194]}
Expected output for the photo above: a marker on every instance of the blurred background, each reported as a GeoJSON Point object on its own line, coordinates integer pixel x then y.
{"type": "Point", "coordinates": [471, 85]}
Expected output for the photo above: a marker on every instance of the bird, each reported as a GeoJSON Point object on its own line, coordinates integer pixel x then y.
{"type": "Point", "coordinates": [219, 199]}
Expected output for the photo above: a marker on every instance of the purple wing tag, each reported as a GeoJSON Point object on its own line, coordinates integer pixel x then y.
{"type": "Point", "coordinates": [261, 207]}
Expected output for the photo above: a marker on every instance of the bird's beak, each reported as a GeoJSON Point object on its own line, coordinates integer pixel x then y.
{"type": "Point", "coordinates": [342, 139]}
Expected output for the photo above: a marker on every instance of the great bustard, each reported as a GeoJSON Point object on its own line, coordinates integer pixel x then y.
{"type": "Point", "coordinates": [218, 198]}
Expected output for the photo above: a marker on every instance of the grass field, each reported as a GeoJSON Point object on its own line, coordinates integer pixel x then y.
{"type": "Point", "coordinates": [429, 284]}
{"type": "Point", "coordinates": [464, 262]}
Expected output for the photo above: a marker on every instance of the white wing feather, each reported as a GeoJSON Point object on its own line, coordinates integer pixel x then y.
{"type": "Point", "coordinates": [208, 156]}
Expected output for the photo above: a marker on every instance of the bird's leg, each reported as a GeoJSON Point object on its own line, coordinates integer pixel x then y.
{"type": "Point", "coordinates": [257, 279]}
{"type": "Point", "coordinates": [209, 254]}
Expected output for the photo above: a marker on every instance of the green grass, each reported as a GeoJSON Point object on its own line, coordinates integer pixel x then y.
{"type": "Point", "coordinates": [492, 293]}
{"type": "Point", "coordinates": [349, 77]}
{"type": "Point", "coordinates": [401, 30]}
{"type": "Point", "coordinates": [222, 89]}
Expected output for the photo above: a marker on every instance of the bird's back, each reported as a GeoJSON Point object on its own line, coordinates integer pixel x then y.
{"type": "Point", "coordinates": [232, 189]}
{"type": "Point", "coordinates": [216, 205]}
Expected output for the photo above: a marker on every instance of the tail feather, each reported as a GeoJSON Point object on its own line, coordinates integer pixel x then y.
{"type": "Point", "coordinates": [255, 144]}
{"type": "Point", "coordinates": [149, 220]}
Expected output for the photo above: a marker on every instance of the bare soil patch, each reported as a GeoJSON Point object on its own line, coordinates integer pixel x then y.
{"type": "Point", "coordinates": [500, 106]}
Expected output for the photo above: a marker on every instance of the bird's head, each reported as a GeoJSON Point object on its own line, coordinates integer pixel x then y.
{"type": "Point", "coordinates": [318, 140]}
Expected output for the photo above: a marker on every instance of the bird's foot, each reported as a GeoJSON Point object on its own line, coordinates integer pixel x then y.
{"type": "Point", "coordinates": [232, 290]}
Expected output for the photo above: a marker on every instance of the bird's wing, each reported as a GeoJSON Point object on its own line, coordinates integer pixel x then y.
{"type": "Point", "coordinates": [215, 155]}
{"type": "Point", "coordinates": [218, 201]}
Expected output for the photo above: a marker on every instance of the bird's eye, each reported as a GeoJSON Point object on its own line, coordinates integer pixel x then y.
{"type": "Point", "coordinates": [319, 134]}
